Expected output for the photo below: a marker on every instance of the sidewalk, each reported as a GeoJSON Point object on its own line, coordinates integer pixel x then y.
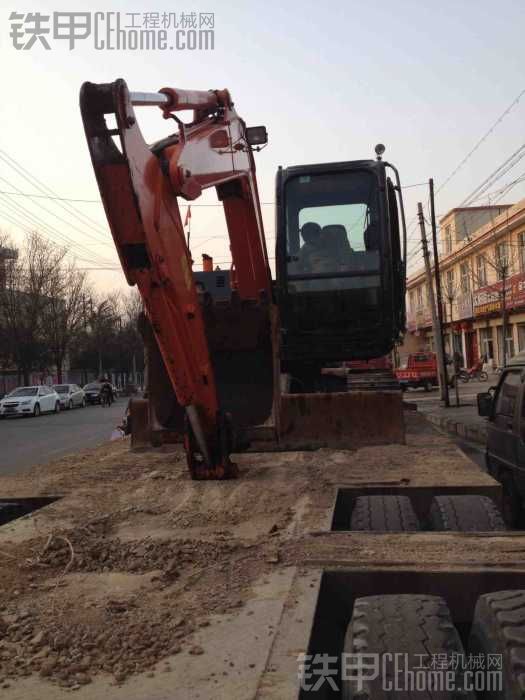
{"type": "Point", "coordinates": [460, 421]}
{"type": "Point", "coordinates": [463, 420]}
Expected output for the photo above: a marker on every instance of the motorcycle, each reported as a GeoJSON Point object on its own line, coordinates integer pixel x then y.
{"type": "Point", "coordinates": [476, 372]}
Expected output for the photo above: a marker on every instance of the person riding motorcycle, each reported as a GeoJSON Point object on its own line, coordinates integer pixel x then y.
{"type": "Point", "coordinates": [106, 392]}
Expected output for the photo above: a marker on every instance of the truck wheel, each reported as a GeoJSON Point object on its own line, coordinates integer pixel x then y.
{"type": "Point", "coordinates": [384, 514]}
{"type": "Point", "coordinates": [499, 628]}
{"type": "Point", "coordinates": [427, 386]}
{"type": "Point", "coordinates": [465, 514]}
{"type": "Point", "coordinates": [416, 628]}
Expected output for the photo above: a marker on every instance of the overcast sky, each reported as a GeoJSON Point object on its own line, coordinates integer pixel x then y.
{"type": "Point", "coordinates": [329, 80]}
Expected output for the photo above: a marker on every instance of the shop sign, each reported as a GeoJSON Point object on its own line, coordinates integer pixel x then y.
{"type": "Point", "coordinates": [488, 299]}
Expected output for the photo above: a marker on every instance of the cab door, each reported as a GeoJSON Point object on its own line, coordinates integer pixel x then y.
{"type": "Point", "coordinates": [520, 437]}
{"type": "Point", "coordinates": [503, 436]}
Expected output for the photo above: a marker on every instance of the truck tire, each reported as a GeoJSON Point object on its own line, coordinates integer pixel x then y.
{"type": "Point", "coordinates": [384, 514]}
{"type": "Point", "coordinates": [419, 626]}
{"type": "Point", "coordinates": [468, 513]}
{"type": "Point", "coordinates": [499, 628]}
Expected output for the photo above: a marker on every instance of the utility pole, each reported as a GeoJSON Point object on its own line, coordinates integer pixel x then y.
{"type": "Point", "coordinates": [504, 313]}
{"type": "Point", "coordinates": [439, 298]}
{"type": "Point", "coordinates": [435, 320]}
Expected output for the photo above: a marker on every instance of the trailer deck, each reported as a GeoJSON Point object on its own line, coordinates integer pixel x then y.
{"type": "Point", "coordinates": [136, 582]}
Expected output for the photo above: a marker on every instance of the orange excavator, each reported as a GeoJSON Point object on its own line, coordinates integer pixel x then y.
{"type": "Point", "coordinates": [232, 350]}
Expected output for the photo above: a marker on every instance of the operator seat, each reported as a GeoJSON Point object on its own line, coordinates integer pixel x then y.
{"type": "Point", "coordinates": [336, 241]}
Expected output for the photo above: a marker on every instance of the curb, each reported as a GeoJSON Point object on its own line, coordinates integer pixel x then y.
{"type": "Point", "coordinates": [468, 431]}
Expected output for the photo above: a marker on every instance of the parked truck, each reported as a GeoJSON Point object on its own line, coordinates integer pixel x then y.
{"type": "Point", "coordinates": [420, 370]}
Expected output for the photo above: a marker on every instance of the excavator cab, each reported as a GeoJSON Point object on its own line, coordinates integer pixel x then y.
{"type": "Point", "coordinates": [341, 296]}
{"type": "Point", "coordinates": [340, 264]}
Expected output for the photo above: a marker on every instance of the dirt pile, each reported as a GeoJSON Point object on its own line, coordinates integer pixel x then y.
{"type": "Point", "coordinates": [131, 561]}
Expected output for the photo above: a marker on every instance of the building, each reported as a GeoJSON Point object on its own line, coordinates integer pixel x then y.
{"type": "Point", "coordinates": [482, 269]}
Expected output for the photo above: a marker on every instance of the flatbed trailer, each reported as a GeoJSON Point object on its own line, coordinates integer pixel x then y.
{"type": "Point", "coordinates": [130, 580]}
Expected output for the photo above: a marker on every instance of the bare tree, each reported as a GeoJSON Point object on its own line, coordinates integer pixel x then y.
{"type": "Point", "coordinates": [7, 253]}
{"type": "Point", "coordinates": [501, 259]}
{"type": "Point", "coordinates": [132, 305]}
{"type": "Point", "coordinates": [450, 292]}
{"type": "Point", "coordinates": [24, 298]}
{"type": "Point", "coordinates": [64, 313]}
{"type": "Point", "coordinates": [103, 322]}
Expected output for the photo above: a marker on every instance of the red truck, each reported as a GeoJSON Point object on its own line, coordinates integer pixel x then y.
{"type": "Point", "coordinates": [420, 370]}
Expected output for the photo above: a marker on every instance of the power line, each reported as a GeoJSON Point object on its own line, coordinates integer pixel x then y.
{"type": "Point", "coordinates": [28, 229]}
{"type": "Point", "coordinates": [21, 211]}
{"type": "Point", "coordinates": [501, 170]}
{"type": "Point", "coordinates": [502, 191]}
{"type": "Point", "coordinates": [42, 187]}
{"type": "Point", "coordinates": [32, 195]}
{"type": "Point", "coordinates": [482, 139]}
{"type": "Point", "coordinates": [99, 241]}
{"type": "Point", "coordinates": [47, 196]}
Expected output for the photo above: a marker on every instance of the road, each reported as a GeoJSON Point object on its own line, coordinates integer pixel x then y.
{"type": "Point", "coordinates": [428, 402]}
{"type": "Point", "coordinates": [29, 441]}
{"type": "Point", "coordinates": [467, 394]}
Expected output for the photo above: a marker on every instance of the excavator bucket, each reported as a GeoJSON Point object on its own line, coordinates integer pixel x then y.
{"type": "Point", "coordinates": [241, 354]}
{"type": "Point", "coordinates": [340, 420]}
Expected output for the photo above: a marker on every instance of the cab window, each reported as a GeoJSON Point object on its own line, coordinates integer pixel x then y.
{"type": "Point", "coordinates": [508, 394]}
{"type": "Point", "coordinates": [333, 229]}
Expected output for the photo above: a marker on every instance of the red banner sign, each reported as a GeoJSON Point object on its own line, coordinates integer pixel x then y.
{"type": "Point", "coordinates": [489, 299]}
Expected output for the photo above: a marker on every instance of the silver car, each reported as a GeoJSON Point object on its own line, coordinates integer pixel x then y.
{"type": "Point", "coordinates": [70, 395]}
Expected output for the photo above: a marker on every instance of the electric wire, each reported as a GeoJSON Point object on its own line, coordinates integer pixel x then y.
{"type": "Point", "coordinates": [502, 116]}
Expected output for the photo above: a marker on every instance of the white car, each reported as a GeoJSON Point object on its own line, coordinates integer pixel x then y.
{"type": "Point", "coordinates": [70, 395]}
{"type": "Point", "coordinates": [30, 401]}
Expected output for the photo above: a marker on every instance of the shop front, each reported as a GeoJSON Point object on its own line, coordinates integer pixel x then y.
{"type": "Point", "coordinates": [488, 305]}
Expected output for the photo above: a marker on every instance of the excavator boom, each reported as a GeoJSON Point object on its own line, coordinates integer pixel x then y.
{"type": "Point", "coordinates": [139, 186]}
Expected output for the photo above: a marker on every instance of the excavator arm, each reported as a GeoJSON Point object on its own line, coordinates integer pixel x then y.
{"type": "Point", "coordinates": [140, 186]}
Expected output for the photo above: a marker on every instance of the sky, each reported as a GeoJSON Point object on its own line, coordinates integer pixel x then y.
{"type": "Point", "coordinates": [329, 81]}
